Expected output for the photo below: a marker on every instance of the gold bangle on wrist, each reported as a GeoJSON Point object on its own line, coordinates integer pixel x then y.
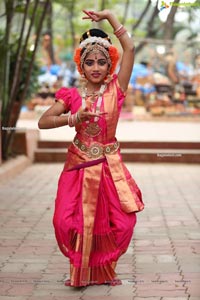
{"type": "Point", "coordinates": [78, 117]}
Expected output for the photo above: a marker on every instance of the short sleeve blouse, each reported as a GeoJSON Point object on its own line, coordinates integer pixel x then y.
{"type": "Point", "coordinates": [69, 97]}
{"type": "Point", "coordinates": [120, 94]}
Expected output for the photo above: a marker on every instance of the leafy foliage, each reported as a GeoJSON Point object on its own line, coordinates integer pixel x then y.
{"type": "Point", "coordinates": [18, 70]}
{"type": "Point", "coordinates": [33, 83]}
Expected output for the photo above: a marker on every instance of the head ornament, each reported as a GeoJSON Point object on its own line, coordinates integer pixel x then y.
{"type": "Point", "coordinates": [95, 44]}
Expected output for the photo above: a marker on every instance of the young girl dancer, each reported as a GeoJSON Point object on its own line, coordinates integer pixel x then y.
{"type": "Point", "coordinates": [97, 199]}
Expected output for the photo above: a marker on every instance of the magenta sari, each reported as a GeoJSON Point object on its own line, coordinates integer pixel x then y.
{"type": "Point", "coordinates": [97, 199]}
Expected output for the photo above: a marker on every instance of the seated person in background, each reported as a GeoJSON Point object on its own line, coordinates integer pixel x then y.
{"type": "Point", "coordinates": [142, 82]}
{"type": "Point", "coordinates": [196, 75]}
{"type": "Point", "coordinates": [127, 108]}
{"type": "Point", "coordinates": [171, 68]}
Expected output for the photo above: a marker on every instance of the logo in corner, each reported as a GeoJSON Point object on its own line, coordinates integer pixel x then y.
{"type": "Point", "coordinates": [164, 5]}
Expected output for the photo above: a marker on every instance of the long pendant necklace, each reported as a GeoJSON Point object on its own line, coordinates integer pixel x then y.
{"type": "Point", "coordinates": [93, 129]}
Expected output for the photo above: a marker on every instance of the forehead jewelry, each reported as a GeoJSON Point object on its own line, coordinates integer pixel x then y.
{"type": "Point", "coordinates": [95, 48]}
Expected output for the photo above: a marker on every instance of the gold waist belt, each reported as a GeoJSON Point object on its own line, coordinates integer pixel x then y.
{"type": "Point", "coordinates": [96, 150]}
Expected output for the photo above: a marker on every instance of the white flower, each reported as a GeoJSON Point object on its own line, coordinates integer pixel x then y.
{"type": "Point", "coordinates": [94, 39]}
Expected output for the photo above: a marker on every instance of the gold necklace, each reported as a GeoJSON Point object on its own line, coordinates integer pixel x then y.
{"type": "Point", "coordinates": [92, 96]}
{"type": "Point", "coordinates": [93, 129]}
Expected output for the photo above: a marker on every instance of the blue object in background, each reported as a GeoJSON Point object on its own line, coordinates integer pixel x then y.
{"type": "Point", "coordinates": [183, 68]}
{"type": "Point", "coordinates": [54, 69]}
{"type": "Point", "coordinates": [140, 70]}
{"type": "Point", "coordinates": [24, 108]}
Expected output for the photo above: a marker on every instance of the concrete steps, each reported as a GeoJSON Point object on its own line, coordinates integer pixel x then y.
{"type": "Point", "coordinates": [154, 151]}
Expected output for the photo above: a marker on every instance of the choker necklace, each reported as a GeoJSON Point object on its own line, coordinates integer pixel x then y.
{"type": "Point", "coordinates": [99, 100]}
{"type": "Point", "coordinates": [92, 96]}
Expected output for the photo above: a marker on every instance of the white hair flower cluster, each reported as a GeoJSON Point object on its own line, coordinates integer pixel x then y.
{"type": "Point", "coordinates": [94, 39]}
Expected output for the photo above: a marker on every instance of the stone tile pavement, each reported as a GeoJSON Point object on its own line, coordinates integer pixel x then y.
{"type": "Point", "coordinates": [162, 262]}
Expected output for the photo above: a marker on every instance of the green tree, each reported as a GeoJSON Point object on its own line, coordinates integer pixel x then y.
{"type": "Point", "coordinates": [17, 63]}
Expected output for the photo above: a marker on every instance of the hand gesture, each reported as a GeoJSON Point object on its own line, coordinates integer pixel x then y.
{"type": "Point", "coordinates": [86, 115]}
{"type": "Point", "coordinates": [96, 16]}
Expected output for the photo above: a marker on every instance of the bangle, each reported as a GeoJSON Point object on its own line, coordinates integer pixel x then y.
{"type": "Point", "coordinates": [54, 121]}
{"type": "Point", "coordinates": [118, 29]}
{"type": "Point", "coordinates": [78, 117]}
{"type": "Point", "coordinates": [72, 120]}
{"type": "Point", "coordinates": [120, 32]}
{"type": "Point", "coordinates": [68, 120]}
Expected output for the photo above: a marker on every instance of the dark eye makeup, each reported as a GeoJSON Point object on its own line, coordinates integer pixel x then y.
{"type": "Point", "coordinates": [91, 62]}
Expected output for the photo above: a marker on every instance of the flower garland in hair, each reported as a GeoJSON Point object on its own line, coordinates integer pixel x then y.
{"type": "Point", "coordinates": [77, 60]}
{"type": "Point", "coordinates": [114, 57]}
{"type": "Point", "coordinates": [95, 39]}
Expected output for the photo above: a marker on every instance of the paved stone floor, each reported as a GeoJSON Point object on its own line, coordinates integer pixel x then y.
{"type": "Point", "coordinates": [162, 262]}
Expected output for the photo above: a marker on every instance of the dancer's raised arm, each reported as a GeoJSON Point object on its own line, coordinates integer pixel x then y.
{"type": "Point", "coordinates": [126, 42]}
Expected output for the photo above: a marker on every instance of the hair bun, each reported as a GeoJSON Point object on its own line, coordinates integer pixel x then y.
{"type": "Point", "coordinates": [95, 32]}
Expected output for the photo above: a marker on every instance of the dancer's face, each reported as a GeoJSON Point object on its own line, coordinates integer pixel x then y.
{"type": "Point", "coordinates": [95, 67]}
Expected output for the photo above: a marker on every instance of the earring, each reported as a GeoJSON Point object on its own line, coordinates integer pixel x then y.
{"type": "Point", "coordinates": [108, 78]}
{"type": "Point", "coordinates": [83, 80]}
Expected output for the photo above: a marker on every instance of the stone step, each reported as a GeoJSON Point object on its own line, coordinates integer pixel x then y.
{"type": "Point", "coordinates": [157, 155]}
{"type": "Point", "coordinates": [130, 145]}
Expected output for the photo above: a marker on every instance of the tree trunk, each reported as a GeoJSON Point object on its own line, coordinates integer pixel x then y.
{"type": "Point", "coordinates": [5, 62]}
{"type": "Point", "coordinates": [103, 4]}
{"type": "Point", "coordinates": [50, 31]}
{"type": "Point", "coordinates": [10, 106]}
{"type": "Point", "coordinates": [168, 29]}
{"type": "Point", "coordinates": [151, 31]}
{"type": "Point", "coordinates": [141, 16]}
{"type": "Point", "coordinates": [19, 63]}
{"type": "Point", "coordinates": [125, 12]}
{"type": "Point", "coordinates": [13, 116]}
{"type": "Point", "coordinates": [9, 8]}
{"type": "Point", "coordinates": [71, 24]}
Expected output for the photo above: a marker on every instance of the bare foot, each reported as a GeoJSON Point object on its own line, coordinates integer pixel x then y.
{"type": "Point", "coordinates": [68, 282]}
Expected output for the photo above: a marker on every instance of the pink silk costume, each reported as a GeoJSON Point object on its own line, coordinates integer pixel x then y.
{"type": "Point", "coordinates": [97, 199]}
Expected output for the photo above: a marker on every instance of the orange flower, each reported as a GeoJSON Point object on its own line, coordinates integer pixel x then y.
{"type": "Point", "coordinates": [114, 56]}
{"type": "Point", "coordinates": [77, 59]}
